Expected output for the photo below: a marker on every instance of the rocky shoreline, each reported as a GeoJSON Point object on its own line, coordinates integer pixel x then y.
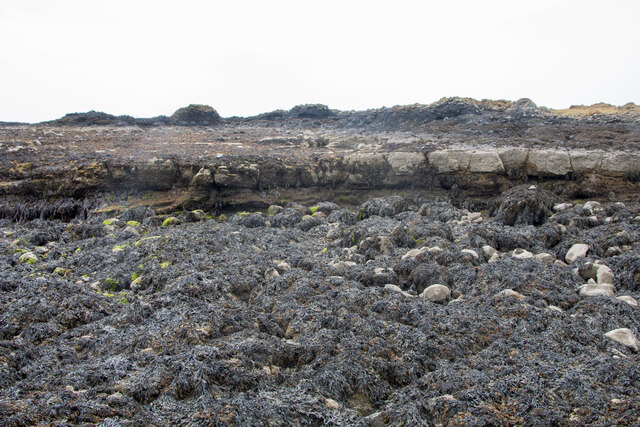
{"type": "Point", "coordinates": [463, 263]}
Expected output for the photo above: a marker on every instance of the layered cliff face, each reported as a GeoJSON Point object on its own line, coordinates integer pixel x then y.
{"type": "Point", "coordinates": [456, 148]}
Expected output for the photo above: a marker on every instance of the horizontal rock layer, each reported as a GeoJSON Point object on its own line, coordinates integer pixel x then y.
{"type": "Point", "coordinates": [480, 172]}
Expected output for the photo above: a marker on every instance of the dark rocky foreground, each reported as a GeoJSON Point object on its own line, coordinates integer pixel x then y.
{"type": "Point", "coordinates": [319, 316]}
{"type": "Point", "coordinates": [476, 263]}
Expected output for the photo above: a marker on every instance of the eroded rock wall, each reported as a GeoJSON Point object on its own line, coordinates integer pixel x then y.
{"type": "Point", "coordinates": [466, 172]}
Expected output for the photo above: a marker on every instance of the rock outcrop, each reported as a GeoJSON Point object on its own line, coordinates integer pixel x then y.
{"type": "Point", "coordinates": [196, 114]}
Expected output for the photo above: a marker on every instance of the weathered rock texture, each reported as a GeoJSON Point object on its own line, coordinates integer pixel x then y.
{"type": "Point", "coordinates": [396, 266]}
{"type": "Point", "coordinates": [457, 149]}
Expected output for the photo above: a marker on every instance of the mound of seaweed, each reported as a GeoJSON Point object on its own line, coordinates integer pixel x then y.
{"type": "Point", "coordinates": [93, 118]}
{"type": "Point", "coordinates": [192, 115]}
{"type": "Point", "coordinates": [320, 316]}
{"type": "Point", "coordinates": [196, 114]}
{"type": "Point", "coordinates": [98, 118]}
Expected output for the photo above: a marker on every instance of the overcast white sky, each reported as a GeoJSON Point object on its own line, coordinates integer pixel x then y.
{"type": "Point", "coordinates": [146, 58]}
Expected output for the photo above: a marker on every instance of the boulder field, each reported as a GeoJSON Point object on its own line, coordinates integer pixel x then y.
{"type": "Point", "coordinates": [400, 312]}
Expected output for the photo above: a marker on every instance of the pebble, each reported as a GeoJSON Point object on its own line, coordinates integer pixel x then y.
{"type": "Point", "coordinates": [271, 273]}
{"type": "Point", "coordinates": [342, 266]}
{"type": "Point", "coordinates": [332, 404]}
{"type": "Point", "coordinates": [380, 271]}
{"type": "Point", "coordinates": [130, 231]}
{"type": "Point", "coordinates": [28, 257]}
{"type": "Point", "coordinates": [172, 220]}
{"type": "Point", "coordinates": [579, 250]}
{"type": "Point", "coordinates": [511, 293]}
{"type": "Point", "coordinates": [544, 258]}
{"type": "Point", "coordinates": [562, 207]}
{"type": "Point", "coordinates": [414, 252]}
{"type": "Point", "coordinates": [629, 300]}
{"type": "Point", "coordinates": [199, 214]}
{"type": "Point", "coordinates": [595, 289]}
{"type": "Point", "coordinates": [591, 205]}
{"type": "Point", "coordinates": [494, 258]}
{"type": "Point", "coordinates": [613, 251]}
{"type": "Point", "coordinates": [274, 210]}
{"type": "Point", "coordinates": [604, 274]}
{"type": "Point", "coordinates": [625, 337]}
{"type": "Point", "coordinates": [475, 217]}
{"type": "Point", "coordinates": [488, 251]}
{"type": "Point", "coordinates": [436, 250]}
{"type": "Point", "coordinates": [283, 267]}
{"type": "Point", "coordinates": [521, 254]}
{"type": "Point", "coordinates": [319, 215]}
{"type": "Point", "coordinates": [393, 288]}
{"type": "Point", "coordinates": [436, 293]}
{"type": "Point", "coordinates": [471, 252]}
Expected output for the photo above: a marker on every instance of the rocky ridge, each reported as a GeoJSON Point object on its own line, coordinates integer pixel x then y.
{"type": "Point", "coordinates": [456, 148]}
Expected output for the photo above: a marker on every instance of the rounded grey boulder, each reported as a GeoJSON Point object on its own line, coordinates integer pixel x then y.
{"type": "Point", "coordinates": [436, 293]}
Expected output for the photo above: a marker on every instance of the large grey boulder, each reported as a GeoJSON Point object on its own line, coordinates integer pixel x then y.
{"type": "Point", "coordinates": [625, 337]}
{"type": "Point", "coordinates": [579, 250]}
{"type": "Point", "coordinates": [436, 293]}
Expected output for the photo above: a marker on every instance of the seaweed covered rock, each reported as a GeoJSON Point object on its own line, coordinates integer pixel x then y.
{"type": "Point", "coordinates": [265, 319]}
{"type": "Point", "coordinates": [525, 205]}
{"type": "Point", "coordinates": [453, 107]}
{"type": "Point", "coordinates": [311, 111]}
{"type": "Point", "coordinates": [94, 118]}
{"type": "Point", "coordinates": [383, 206]}
{"type": "Point", "coordinates": [196, 114]}
{"type": "Point", "coordinates": [524, 108]}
